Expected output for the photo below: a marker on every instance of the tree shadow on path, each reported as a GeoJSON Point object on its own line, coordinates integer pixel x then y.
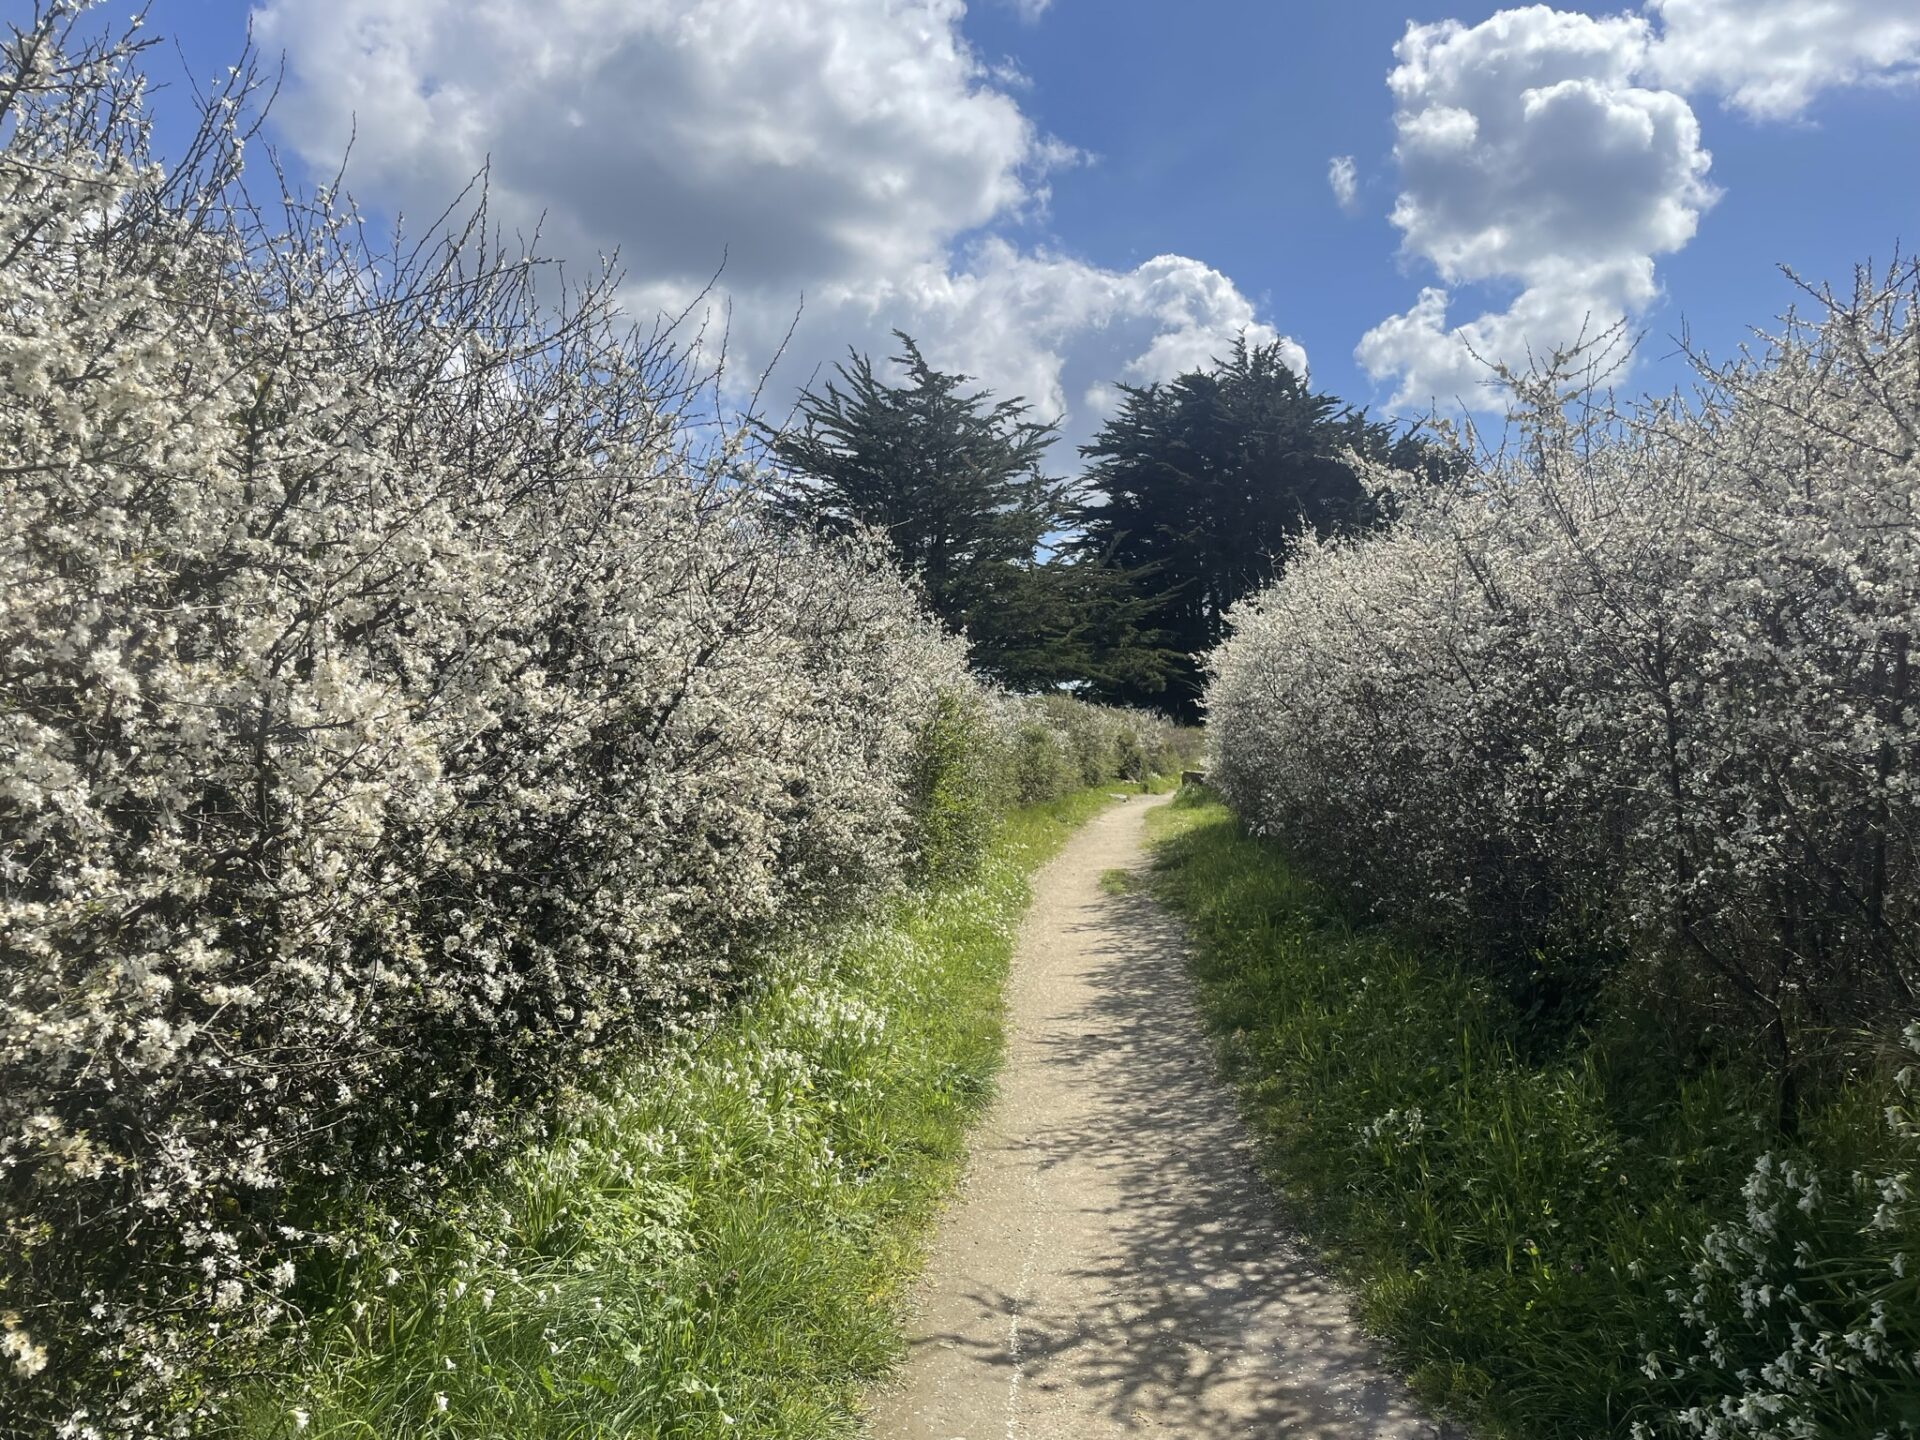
{"type": "Point", "coordinates": [1213, 1320]}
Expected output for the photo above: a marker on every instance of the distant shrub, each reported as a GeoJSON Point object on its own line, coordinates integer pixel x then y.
{"type": "Point", "coordinates": [1041, 765]}
{"type": "Point", "coordinates": [1094, 744]}
{"type": "Point", "coordinates": [978, 753]}
{"type": "Point", "coordinates": [1083, 730]}
{"type": "Point", "coordinates": [1104, 743]}
{"type": "Point", "coordinates": [953, 787]}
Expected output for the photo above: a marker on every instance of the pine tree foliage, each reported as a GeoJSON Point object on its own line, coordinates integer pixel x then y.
{"type": "Point", "coordinates": [1201, 485]}
{"type": "Point", "coordinates": [956, 481]}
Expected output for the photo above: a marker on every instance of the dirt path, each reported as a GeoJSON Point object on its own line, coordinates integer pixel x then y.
{"type": "Point", "coordinates": [1112, 1265]}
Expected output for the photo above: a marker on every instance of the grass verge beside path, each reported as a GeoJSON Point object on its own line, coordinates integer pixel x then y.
{"type": "Point", "coordinates": [1604, 1240]}
{"type": "Point", "coordinates": [719, 1246]}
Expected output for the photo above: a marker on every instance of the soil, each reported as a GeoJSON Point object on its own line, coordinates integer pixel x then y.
{"type": "Point", "coordinates": [1113, 1264]}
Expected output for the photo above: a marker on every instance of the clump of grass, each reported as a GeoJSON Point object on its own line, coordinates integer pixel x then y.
{"type": "Point", "coordinates": [717, 1244]}
{"type": "Point", "coordinates": [1596, 1238]}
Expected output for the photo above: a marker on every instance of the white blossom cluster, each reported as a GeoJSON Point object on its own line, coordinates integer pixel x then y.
{"type": "Point", "coordinates": [1806, 1310]}
{"type": "Point", "coordinates": [1630, 702]}
{"type": "Point", "coordinates": [401, 709]}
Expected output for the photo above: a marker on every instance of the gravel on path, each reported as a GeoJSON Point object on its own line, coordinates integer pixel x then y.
{"type": "Point", "coordinates": [1113, 1264]}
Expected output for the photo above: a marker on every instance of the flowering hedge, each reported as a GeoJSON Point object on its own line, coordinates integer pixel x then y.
{"type": "Point", "coordinates": [405, 707]}
{"type": "Point", "coordinates": [1644, 677]}
{"type": "Point", "coordinates": [1626, 712]}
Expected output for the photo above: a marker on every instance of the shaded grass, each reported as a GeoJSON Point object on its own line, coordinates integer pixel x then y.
{"type": "Point", "coordinates": [1527, 1229]}
{"type": "Point", "coordinates": [718, 1244]}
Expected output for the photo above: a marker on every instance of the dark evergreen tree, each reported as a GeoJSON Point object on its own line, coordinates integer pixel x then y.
{"type": "Point", "coordinates": [956, 479]}
{"type": "Point", "coordinates": [1078, 623]}
{"type": "Point", "coordinates": [1198, 486]}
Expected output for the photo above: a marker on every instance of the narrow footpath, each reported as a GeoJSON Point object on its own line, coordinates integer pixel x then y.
{"type": "Point", "coordinates": [1112, 1264]}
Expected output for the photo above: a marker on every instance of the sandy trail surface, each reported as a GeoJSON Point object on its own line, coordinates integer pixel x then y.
{"type": "Point", "coordinates": [1112, 1264]}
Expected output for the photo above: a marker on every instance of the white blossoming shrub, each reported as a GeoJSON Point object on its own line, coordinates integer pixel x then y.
{"type": "Point", "coordinates": [1626, 711]}
{"type": "Point", "coordinates": [986, 750]}
{"type": "Point", "coordinates": [1644, 677]}
{"type": "Point", "coordinates": [1038, 760]}
{"type": "Point", "coordinates": [1095, 743]}
{"type": "Point", "coordinates": [402, 709]}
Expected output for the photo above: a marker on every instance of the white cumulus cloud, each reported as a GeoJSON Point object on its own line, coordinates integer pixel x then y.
{"type": "Point", "coordinates": [1770, 58]}
{"type": "Point", "coordinates": [1554, 155]}
{"type": "Point", "coordinates": [1530, 156]}
{"type": "Point", "coordinates": [1058, 330]}
{"type": "Point", "coordinates": [851, 152]}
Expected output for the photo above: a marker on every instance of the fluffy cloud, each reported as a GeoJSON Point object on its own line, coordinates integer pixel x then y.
{"type": "Point", "coordinates": [1530, 156]}
{"type": "Point", "coordinates": [1056, 329]}
{"type": "Point", "coordinates": [1554, 155]}
{"type": "Point", "coordinates": [1345, 182]}
{"type": "Point", "coordinates": [808, 140]}
{"type": "Point", "coordinates": [1447, 365]}
{"type": "Point", "coordinates": [836, 150]}
{"type": "Point", "coordinates": [1524, 141]}
{"type": "Point", "coordinates": [1770, 57]}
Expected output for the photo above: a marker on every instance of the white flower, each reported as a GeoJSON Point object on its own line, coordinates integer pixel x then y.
{"type": "Point", "coordinates": [28, 1358]}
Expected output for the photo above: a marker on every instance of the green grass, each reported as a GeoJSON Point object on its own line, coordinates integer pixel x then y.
{"type": "Point", "coordinates": [1527, 1230]}
{"type": "Point", "coordinates": [718, 1244]}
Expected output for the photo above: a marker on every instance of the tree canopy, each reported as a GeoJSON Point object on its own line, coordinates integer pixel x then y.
{"type": "Point", "coordinates": [1197, 488]}
{"type": "Point", "coordinates": [957, 480]}
{"type": "Point", "coordinates": [1112, 583]}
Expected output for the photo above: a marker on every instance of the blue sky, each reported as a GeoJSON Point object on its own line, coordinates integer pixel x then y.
{"type": "Point", "coordinates": [1056, 196]}
{"type": "Point", "coordinates": [1216, 120]}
